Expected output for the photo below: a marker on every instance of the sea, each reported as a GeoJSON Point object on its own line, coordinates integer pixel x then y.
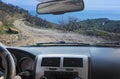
{"type": "Point", "coordinates": [83, 15]}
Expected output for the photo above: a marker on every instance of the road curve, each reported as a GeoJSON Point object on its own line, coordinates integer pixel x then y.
{"type": "Point", "coordinates": [29, 35]}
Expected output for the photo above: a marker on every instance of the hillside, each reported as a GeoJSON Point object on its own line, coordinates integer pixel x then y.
{"type": "Point", "coordinates": [10, 13]}
{"type": "Point", "coordinates": [101, 27]}
{"type": "Point", "coordinates": [30, 35]}
{"type": "Point", "coordinates": [15, 28]}
{"type": "Point", "coordinates": [102, 24]}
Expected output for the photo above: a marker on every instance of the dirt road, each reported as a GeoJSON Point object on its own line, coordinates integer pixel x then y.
{"type": "Point", "coordinates": [29, 35]}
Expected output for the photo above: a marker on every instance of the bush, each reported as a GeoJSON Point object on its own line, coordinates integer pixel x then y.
{"type": "Point", "coordinates": [6, 27]}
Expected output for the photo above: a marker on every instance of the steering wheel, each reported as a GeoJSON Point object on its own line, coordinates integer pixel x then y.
{"type": "Point", "coordinates": [10, 69]}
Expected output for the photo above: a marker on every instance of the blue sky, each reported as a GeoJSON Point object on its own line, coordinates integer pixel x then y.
{"type": "Point", "coordinates": [105, 9]}
{"type": "Point", "coordinates": [90, 4]}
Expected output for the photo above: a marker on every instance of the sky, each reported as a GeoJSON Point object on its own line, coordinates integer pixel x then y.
{"type": "Point", "coordinates": [90, 4]}
{"type": "Point", "coordinates": [97, 8]}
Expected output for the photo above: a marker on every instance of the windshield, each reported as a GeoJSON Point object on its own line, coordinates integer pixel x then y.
{"type": "Point", "coordinates": [20, 25]}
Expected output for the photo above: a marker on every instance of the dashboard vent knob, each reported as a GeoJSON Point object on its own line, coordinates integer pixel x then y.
{"type": "Point", "coordinates": [77, 77]}
{"type": "Point", "coordinates": [43, 77]}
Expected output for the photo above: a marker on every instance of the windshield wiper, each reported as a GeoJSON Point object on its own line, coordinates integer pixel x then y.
{"type": "Point", "coordinates": [61, 43]}
{"type": "Point", "coordinates": [110, 44]}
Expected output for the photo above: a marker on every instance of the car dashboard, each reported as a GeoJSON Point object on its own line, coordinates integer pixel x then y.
{"type": "Point", "coordinates": [66, 62]}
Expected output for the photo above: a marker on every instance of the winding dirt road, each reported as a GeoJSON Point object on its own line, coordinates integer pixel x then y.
{"type": "Point", "coordinates": [29, 35]}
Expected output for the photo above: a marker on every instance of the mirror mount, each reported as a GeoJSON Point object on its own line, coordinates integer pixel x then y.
{"type": "Point", "coordinates": [60, 6]}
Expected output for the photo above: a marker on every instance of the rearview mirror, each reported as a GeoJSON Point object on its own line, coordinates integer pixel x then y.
{"type": "Point", "coordinates": [60, 6]}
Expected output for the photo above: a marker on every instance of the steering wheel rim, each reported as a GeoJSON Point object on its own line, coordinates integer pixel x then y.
{"type": "Point", "coordinates": [10, 70]}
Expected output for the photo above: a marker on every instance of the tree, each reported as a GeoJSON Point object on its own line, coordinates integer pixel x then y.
{"type": "Point", "coordinates": [70, 25]}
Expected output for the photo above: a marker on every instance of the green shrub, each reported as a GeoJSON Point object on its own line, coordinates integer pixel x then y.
{"type": "Point", "coordinates": [5, 27]}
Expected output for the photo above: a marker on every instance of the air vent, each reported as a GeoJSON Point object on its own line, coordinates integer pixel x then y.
{"type": "Point", "coordinates": [50, 62]}
{"type": "Point", "coordinates": [73, 62]}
